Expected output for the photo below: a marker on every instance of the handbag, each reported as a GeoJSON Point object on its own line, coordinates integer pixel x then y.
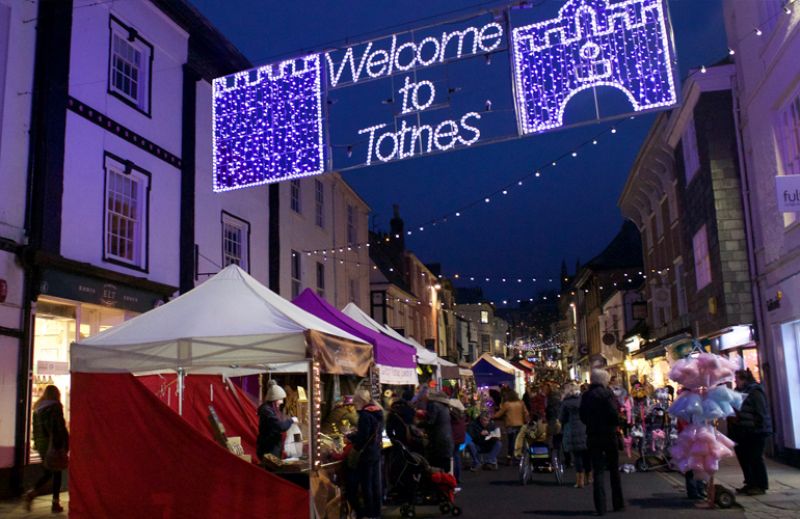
{"type": "Point", "coordinates": [55, 459]}
{"type": "Point", "coordinates": [354, 455]}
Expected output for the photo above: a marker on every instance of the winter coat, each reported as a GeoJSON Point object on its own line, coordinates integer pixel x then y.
{"type": "Point", "coordinates": [458, 424]}
{"type": "Point", "coordinates": [440, 433]}
{"type": "Point", "coordinates": [271, 427]}
{"type": "Point", "coordinates": [572, 427]}
{"type": "Point", "coordinates": [398, 421]}
{"type": "Point", "coordinates": [369, 435]}
{"type": "Point", "coordinates": [538, 405]}
{"type": "Point", "coordinates": [514, 413]}
{"type": "Point", "coordinates": [553, 406]}
{"type": "Point", "coordinates": [753, 418]}
{"type": "Point", "coordinates": [48, 423]}
{"type": "Point", "coordinates": [483, 443]}
{"type": "Point", "coordinates": [598, 411]}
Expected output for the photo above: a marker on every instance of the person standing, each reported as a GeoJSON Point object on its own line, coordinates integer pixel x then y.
{"type": "Point", "coordinates": [49, 435]}
{"type": "Point", "coordinates": [458, 425]}
{"type": "Point", "coordinates": [513, 411]}
{"type": "Point", "coordinates": [272, 423]}
{"type": "Point", "coordinates": [574, 433]}
{"type": "Point", "coordinates": [365, 473]}
{"type": "Point", "coordinates": [599, 413]}
{"type": "Point", "coordinates": [552, 408]}
{"type": "Point", "coordinates": [440, 432]}
{"type": "Point", "coordinates": [750, 429]}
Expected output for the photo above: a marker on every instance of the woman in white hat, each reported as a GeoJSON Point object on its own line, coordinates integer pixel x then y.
{"type": "Point", "coordinates": [271, 422]}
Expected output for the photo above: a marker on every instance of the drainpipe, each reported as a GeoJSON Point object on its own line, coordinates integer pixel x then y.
{"type": "Point", "coordinates": [758, 308]}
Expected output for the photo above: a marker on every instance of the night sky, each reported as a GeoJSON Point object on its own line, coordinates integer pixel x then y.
{"type": "Point", "coordinates": [569, 213]}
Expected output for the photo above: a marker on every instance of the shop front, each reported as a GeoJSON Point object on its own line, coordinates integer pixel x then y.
{"type": "Point", "coordinates": [72, 307]}
{"type": "Point", "coordinates": [737, 343]}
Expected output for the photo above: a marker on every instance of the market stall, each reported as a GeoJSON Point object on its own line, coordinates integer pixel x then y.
{"type": "Point", "coordinates": [394, 360]}
{"type": "Point", "coordinates": [493, 371]}
{"type": "Point", "coordinates": [230, 325]}
{"type": "Point", "coordinates": [444, 368]}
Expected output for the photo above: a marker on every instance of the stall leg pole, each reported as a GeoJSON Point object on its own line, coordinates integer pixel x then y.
{"type": "Point", "coordinates": [181, 374]}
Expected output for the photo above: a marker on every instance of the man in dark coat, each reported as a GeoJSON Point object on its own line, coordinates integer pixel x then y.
{"type": "Point", "coordinates": [440, 432]}
{"type": "Point", "coordinates": [599, 412]}
{"type": "Point", "coordinates": [750, 430]}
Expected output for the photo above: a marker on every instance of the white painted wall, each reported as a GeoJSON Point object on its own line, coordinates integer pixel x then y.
{"type": "Point", "coordinates": [767, 78]}
{"type": "Point", "coordinates": [248, 204]}
{"type": "Point", "coordinates": [16, 82]}
{"type": "Point", "coordinates": [82, 217]}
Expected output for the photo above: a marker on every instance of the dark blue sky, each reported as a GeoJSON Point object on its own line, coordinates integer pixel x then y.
{"type": "Point", "coordinates": [569, 213]}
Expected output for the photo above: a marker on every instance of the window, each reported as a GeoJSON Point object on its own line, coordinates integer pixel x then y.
{"type": "Point", "coordinates": [235, 241]}
{"type": "Point", "coordinates": [484, 317]}
{"type": "Point", "coordinates": [126, 198]}
{"type": "Point", "coordinates": [691, 160]}
{"type": "Point", "coordinates": [130, 65]}
{"type": "Point", "coordinates": [297, 283]}
{"type": "Point", "coordinates": [354, 291]}
{"type": "Point", "coordinates": [352, 236]}
{"type": "Point", "coordinates": [319, 203]}
{"type": "Point", "coordinates": [295, 195]}
{"type": "Point", "coordinates": [680, 290]}
{"type": "Point", "coordinates": [702, 261]}
{"type": "Point", "coordinates": [320, 279]}
{"type": "Point", "coordinates": [789, 144]}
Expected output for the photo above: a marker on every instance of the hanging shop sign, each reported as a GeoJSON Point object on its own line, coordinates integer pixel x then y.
{"type": "Point", "coordinates": [437, 88]}
{"type": "Point", "coordinates": [787, 187]}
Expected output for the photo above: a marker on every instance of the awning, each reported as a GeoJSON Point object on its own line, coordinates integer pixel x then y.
{"type": "Point", "coordinates": [489, 371]}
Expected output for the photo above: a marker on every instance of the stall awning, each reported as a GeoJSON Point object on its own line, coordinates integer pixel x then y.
{"type": "Point", "coordinates": [489, 371]}
{"type": "Point", "coordinates": [395, 360]}
{"type": "Point", "coordinates": [229, 322]}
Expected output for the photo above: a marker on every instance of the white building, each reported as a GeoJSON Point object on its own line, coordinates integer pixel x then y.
{"type": "Point", "coordinates": [104, 118]}
{"type": "Point", "coordinates": [765, 36]}
{"type": "Point", "coordinates": [16, 85]}
{"type": "Point", "coordinates": [323, 240]}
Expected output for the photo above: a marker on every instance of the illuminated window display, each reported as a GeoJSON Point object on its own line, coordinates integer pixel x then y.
{"type": "Point", "coordinates": [58, 324]}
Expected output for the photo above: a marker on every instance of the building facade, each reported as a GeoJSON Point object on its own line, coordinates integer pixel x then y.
{"type": "Point", "coordinates": [767, 94]}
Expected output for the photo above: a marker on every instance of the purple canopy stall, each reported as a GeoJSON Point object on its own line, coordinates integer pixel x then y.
{"type": "Point", "coordinates": [396, 361]}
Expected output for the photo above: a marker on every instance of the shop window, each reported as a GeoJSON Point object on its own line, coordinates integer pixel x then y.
{"type": "Point", "coordinates": [130, 59]}
{"type": "Point", "coordinates": [126, 213]}
{"type": "Point", "coordinates": [691, 159]}
{"type": "Point", "coordinates": [352, 235]}
{"type": "Point", "coordinates": [790, 341]}
{"type": "Point", "coordinates": [297, 281]}
{"type": "Point", "coordinates": [702, 261]}
{"type": "Point", "coordinates": [320, 279]}
{"type": "Point", "coordinates": [354, 291]}
{"type": "Point", "coordinates": [59, 323]}
{"type": "Point", "coordinates": [235, 241]}
{"type": "Point", "coordinates": [789, 143]}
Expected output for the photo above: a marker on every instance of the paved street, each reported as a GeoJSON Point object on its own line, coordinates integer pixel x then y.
{"type": "Point", "coordinates": [498, 494]}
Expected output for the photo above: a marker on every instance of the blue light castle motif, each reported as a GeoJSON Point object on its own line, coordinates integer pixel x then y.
{"type": "Point", "coordinates": [592, 43]}
{"type": "Point", "coordinates": [268, 124]}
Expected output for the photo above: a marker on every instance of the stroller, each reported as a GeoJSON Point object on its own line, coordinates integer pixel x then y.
{"type": "Point", "coordinates": [415, 482]}
{"type": "Point", "coordinates": [654, 437]}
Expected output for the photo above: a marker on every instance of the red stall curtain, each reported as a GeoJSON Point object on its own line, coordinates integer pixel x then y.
{"type": "Point", "coordinates": [234, 408]}
{"type": "Point", "coordinates": [133, 457]}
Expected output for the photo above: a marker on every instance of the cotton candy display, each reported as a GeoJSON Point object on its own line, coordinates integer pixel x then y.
{"type": "Point", "coordinates": [704, 370]}
{"type": "Point", "coordinates": [627, 442]}
{"type": "Point", "coordinates": [699, 448]}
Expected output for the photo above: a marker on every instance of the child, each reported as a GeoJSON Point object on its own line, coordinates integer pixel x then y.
{"type": "Point", "coordinates": [535, 431]}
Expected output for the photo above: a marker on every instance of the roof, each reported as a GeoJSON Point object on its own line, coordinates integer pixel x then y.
{"type": "Point", "coordinates": [624, 251]}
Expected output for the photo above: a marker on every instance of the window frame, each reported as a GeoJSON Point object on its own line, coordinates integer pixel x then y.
{"type": "Point", "coordinates": [295, 193]}
{"type": "Point", "coordinates": [320, 278]}
{"type": "Point", "coordinates": [231, 219]}
{"type": "Point", "coordinates": [699, 269]}
{"type": "Point", "coordinates": [121, 166]}
{"type": "Point", "coordinates": [319, 203]}
{"type": "Point", "coordinates": [788, 110]}
{"type": "Point", "coordinates": [352, 226]}
{"type": "Point", "coordinates": [296, 273]}
{"type": "Point", "coordinates": [691, 154]}
{"type": "Point", "coordinates": [117, 27]}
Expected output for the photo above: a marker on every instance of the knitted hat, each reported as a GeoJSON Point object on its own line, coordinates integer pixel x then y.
{"type": "Point", "coordinates": [274, 392]}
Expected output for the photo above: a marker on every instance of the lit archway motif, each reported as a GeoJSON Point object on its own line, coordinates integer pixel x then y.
{"type": "Point", "coordinates": [592, 43]}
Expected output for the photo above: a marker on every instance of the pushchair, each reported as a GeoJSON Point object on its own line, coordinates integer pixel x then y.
{"type": "Point", "coordinates": [654, 439]}
{"type": "Point", "coordinates": [415, 482]}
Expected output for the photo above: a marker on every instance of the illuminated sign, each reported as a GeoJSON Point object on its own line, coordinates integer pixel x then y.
{"type": "Point", "coordinates": [435, 89]}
